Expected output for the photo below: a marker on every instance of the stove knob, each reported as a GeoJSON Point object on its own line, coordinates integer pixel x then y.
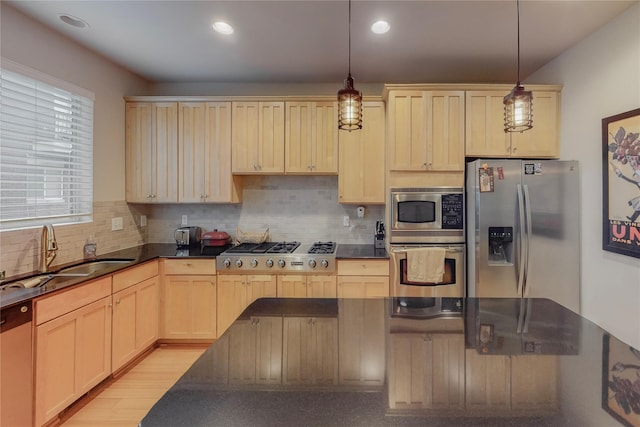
{"type": "Point", "coordinates": [281, 263]}
{"type": "Point", "coordinates": [254, 263]}
{"type": "Point", "coordinates": [238, 263]}
{"type": "Point", "coordinates": [312, 263]}
{"type": "Point", "coordinates": [324, 263]}
{"type": "Point", "coordinates": [227, 262]}
{"type": "Point", "coordinates": [269, 263]}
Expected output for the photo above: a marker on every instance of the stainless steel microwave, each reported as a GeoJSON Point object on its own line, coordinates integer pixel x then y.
{"type": "Point", "coordinates": [426, 215]}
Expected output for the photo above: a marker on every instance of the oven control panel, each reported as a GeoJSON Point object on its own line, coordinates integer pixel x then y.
{"type": "Point", "coordinates": [452, 211]}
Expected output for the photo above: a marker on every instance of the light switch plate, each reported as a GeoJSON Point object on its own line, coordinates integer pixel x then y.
{"type": "Point", "coordinates": [116, 224]}
{"type": "Point", "coordinates": [345, 220]}
{"type": "Point", "coordinates": [143, 220]}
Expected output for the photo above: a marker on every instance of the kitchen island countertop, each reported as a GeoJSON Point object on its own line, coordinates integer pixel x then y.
{"type": "Point", "coordinates": [371, 367]}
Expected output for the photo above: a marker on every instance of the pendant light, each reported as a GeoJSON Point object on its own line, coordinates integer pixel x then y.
{"type": "Point", "coordinates": [349, 99]}
{"type": "Point", "coordinates": [518, 104]}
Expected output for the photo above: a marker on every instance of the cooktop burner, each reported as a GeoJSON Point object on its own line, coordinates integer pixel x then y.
{"type": "Point", "coordinates": [264, 248]}
{"type": "Point", "coordinates": [284, 248]}
{"type": "Point", "coordinates": [321, 248]}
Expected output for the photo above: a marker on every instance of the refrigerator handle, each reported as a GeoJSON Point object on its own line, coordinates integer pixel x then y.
{"type": "Point", "coordinates": [521, 244]}
{"type": "Point", "coordinates": [527, 262]}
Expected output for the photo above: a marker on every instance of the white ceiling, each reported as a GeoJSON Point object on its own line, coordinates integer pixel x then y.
{"type": "Point", "coordinates": [305, 41]}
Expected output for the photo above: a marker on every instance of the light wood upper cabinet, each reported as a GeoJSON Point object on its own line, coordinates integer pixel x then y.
{"type": "Point", "coordinates": [426, 130]}
{"type": "Point", "coordinates": [257, 137]}
{"type": "Point", "coordinates": [361, 165]}
{"type": "Point", "coordinates": [204, 154]}
{"type": "Point", "coordinates": [485, 135]}
{"type": "Point", "coordinates": [311, 137]}
{"type": "Point", "coordinates": [151, 152]}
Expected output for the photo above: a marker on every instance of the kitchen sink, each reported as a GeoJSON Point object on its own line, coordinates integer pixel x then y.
{"type": "Point", "coordinates": [89, 267]}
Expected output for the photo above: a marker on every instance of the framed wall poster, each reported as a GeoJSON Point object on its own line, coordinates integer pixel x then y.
{"type": "Point", "coordinates": [621, 183]}
{"type": "Point", "coordinates": [620, 381]}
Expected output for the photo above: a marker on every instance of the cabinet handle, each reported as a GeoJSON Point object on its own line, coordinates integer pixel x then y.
{"type": "Point", "coordinates": [117, 301]}
{"type": "Point", "coordinates": [255, 167]}
{"type": "Point", "coordinates": [109, 305]}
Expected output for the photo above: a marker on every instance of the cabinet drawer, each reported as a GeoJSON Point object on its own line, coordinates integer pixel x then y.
{"type": "Point", "coordinates": [65, 302]}
{"type": "Point", "coordinates": [134, 275]}
{"type": "Point", "coordinates": [363, 267]}
{"type": "Point", "coordinates": [189, 266]}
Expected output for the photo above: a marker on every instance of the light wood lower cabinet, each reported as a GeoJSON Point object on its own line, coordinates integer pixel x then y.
{"type": "Point", "coordinates": [361, 342]}
{"type": "Point", "coordinates": [363, 278]}
{"type": "Point", "coordinates": [426, 371]}
{"type": "Point", "coordinates": [189, 299]}
{"type": "Point", "coordinates": [135, 320]}
{"type": "Point", "coordinates": [255, 351]}
{"type": "Point", "coordinates": [301, 286]}
{"type": "Point", "coordinates": [310, 348]}
{"type": "Point", "coordinates": [236, 292]}
{"type": "Point", "coordinates": [73, 348]}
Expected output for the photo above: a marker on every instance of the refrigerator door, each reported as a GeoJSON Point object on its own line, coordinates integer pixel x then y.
{"type": "Point", "coordinates": [552, 200]}
{"type": "Point", "coordinates": [492, 209]}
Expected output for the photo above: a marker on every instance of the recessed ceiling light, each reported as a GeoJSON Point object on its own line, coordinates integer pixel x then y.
{"type": "Point", "coordinates": [73, 21]}
{"type": "Point", "coordinates": [380, 27]}
{"type": "Point", "coordinates": [223, 27]}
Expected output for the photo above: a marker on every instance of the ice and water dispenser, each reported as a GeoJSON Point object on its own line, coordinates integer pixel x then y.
{"type": "Point", "coordinates": [500, 245]}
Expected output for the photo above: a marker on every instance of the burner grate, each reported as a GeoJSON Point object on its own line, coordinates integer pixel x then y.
{"type": "Point", "coordinates": [283, 248]}
{"type": "Point", "coordinates": [322, 248]}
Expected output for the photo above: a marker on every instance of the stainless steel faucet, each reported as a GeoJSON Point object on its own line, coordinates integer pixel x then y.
{"type": "Point", "coordinates": [48, 247]}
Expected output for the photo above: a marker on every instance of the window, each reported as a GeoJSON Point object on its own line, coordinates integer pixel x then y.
{"type": "Point", "coordinates": [46, 150]}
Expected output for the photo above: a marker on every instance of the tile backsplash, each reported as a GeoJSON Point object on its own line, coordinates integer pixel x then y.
{"type": "Point", "coordinates": [302, 208]}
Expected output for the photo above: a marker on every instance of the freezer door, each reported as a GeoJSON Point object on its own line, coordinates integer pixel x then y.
{"type": "Point", "coordinates": [492, 205]}
{"type": "Point", "coordinates": [554, 246]}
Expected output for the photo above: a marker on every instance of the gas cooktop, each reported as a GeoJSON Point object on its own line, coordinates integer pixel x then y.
{"type": "Point", "coordinates": [272, 257]}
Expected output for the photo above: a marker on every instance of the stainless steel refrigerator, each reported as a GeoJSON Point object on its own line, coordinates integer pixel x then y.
{"type": "Point", "coordinates": [523, 229]}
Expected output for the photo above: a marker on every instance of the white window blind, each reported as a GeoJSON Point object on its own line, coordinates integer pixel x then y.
{"type": "Point", "coordinates": [46, 153]}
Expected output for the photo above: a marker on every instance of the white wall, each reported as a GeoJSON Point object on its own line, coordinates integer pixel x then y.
{"type": "Point", "coordinates": [601, 78]}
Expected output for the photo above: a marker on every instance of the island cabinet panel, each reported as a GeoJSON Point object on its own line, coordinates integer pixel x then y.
{"type": "Point", "coordinates": [310, 346]}
{"type": "Point", "coordinates": [426, 130]}
{"type": "Point", "coordinates": [258, 137]}
{"type": "Point", "coordinates": [303, 286]}
{"type": "Point", "coordinates": [73, 354]}
{"type": "Point", "coordinates": [204, 154]}
{"type": "Point", "coordinates": [311, 137]}
{"type": "Point", "coordinates": [189, 299]}
{"type": "Point", "coordinates": [534, 383]}
{"type": "Point", "coordinates": [151, 152]}
{"type": "Point", "coordinates": [488, 381]}
{"type": "Point", "coordinates": [485, 135]}
{"type": "Point", "coordinates": [255, 351]}
{"type": "Point", "coordinates": [135, 320]}
{"type": "Point", "coordinates": [236, 292]}
{"type": "Point", "coordinates": [361, 342]}
{"type": "Point", "coordinates": [361, 175]}
{"type": "Point", "coordinates": [426, 371]}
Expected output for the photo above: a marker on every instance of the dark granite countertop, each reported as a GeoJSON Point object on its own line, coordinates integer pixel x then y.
{"type": "Point", "coordinates": [358, 364]}
{"type": "Point", "coordinates": [348, 251]}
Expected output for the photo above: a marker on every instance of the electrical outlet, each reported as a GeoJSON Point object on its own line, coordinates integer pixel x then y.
{"type": "Point", "coordinates": [345, 220]}
{"type": "Point", "coordinates": [143, 220]}
{"type": "Point", "coordinates": [184, 220]}
{"type": "Point", "coordinates": [116, 224]}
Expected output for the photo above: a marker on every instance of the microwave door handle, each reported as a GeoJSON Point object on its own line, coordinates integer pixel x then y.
{"type": "Point", "coordinates": [527, 262]}
{"type": "Point", "coordinates": [521, 245]}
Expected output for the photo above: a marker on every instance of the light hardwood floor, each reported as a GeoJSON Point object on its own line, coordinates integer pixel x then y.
{"type": "Point", "coordinates": [128, 399]}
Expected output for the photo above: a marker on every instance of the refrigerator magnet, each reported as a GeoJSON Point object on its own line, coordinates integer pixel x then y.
{"type": "Point", "coordinates": [485, 177]}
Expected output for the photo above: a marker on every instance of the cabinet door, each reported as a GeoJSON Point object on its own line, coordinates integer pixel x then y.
{"type": "Point", "coordinates": [204, 153]}
{"type": "Point", "coordinates": [73, 354]}
{"type": "Point", "coordinates": [445, 131]}
{"type": "Point", "coordinates": [543, 140]}
{"type": "Point", "coordinates": [487, 381]}
{"type": "Point", "coordinates": [151, 152]}
{"type": "Point", "coordinates": [232, 294]}
{"type": "Point", "coordinates": [445, 371]}
{"type": "Point", "coordinates": [124, 326]}
{"type": "Point", "coordinates": [406, 370]}
{"type": "Point", "coordinates": [534, 383]}
{"type": "Point", "coordinates": [485, 135]}
{"type": "Point", "coordinates": [190, 307]}
{"type": "Point", "coordinates": [260, 286]}
{"type": "Point", "coordinates": [325, 338]}
{"type": "Point", "coordinates": [322, 287]}
{"type": "Point", "coordinates": [311, 138]}
{"type": "Point", "coordinates": [147, 313]}
{"type": "Point", "coordinates": [407, 131]}
{"type": "Point", "coordinates": [363, 286]}
{"type": "Point", "coordinates": [258, 137]}
{"type": "Point", "coordinates": [361, 168]}
{"type": "Point", "coordinates": [242, 352]}
{"type": "Point", "coordinates": [361, 345]}
{"type": "Point", "coordinates": [292, 286]}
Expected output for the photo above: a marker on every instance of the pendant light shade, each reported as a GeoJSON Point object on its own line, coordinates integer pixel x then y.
{"type": "Point", "coordinates": [349, 99]}
{"type": "Point", "coordinates": [518, 104]}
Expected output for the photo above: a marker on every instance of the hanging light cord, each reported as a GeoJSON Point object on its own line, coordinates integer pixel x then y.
{"type": "Point", "coordinates": [349, 37]}
{"type": "Point", "coordinates": [518, 21]}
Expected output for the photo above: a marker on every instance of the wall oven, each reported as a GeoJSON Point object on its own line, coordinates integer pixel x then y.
{"type": "Point", "coordinates": [427, 215]}
{"type": "Point", "coordinates": [453, 278]}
